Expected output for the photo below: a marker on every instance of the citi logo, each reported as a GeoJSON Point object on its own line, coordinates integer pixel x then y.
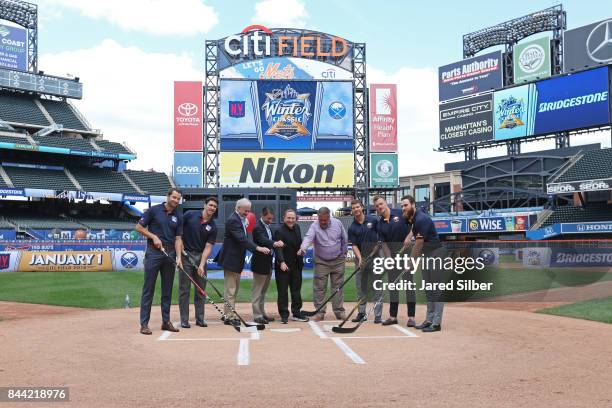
{"type": "Point", "coordinates": [187, 169]}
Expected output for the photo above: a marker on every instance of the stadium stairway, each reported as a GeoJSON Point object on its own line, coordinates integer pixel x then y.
{"type": "Point", "coordinates": [6, 181]}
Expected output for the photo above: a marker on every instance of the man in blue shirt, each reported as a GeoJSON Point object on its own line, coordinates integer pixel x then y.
{"type": "Point", "coordinates": [427, 243]}
{"type": "Point", "coordinates": [393, 230]}
{"type": "Point", "coordinates": [162, 224]}
{"type": "Point", "coordinates": [363, 236]}
{"type": "Point", "coordinates": [199, 236]}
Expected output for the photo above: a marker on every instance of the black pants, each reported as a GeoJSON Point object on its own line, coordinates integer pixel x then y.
{"type": "Point", "coordinates": [185, 288]}
{"type": "Point", "coordinates": [394, 294]}
{"type": "Point", "coordinates": [156, 262]}
{"type": "Point", "coordinates": [291, 279]}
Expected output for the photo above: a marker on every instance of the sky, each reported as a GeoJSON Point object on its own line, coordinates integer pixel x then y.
{"type": "Point", "coordinates": [127, 53]}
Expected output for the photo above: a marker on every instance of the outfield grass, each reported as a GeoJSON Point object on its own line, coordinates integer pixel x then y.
{"type": "Point", "coordinates": [599, 310]}
{"type": "Point", "coordinates": [107, 290]}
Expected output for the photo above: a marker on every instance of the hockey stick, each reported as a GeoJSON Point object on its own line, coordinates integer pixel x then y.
{"type": "Point", "coordinates": [258, 326]}
{"type": "Point", "coordinates": [339, 288]}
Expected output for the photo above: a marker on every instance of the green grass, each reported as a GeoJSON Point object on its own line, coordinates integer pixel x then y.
{"type": "Point", "coordinates": [599, 310]}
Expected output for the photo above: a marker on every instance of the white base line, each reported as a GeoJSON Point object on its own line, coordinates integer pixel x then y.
{"type": "Point", "coordinates": [243, 352]}
{"type": "Point", "coordinates": [315, 328]}
{"type": "Point", "coordinates": [208, 339]}
{"type": "Point", "coordinates": [164, 336]}
{"type": "Point", "coordinates": [405, 331]}
{"type": "Point", "coordinates": [373, 337]}
{"type": "Point", "coordinates": [348, 351]}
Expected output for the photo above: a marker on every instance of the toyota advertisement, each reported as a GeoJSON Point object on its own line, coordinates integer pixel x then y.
{"type": "Point", "coordinates": [188, 116]}
{"type": "Point", "coordinates": [470, 76]}
{"type": "Point", "coordinates": [587, 46]}
{"type": "Point", "coordinates": [188, 169]}
{"type": "Point", "coordinates": [286, 115]}
{"type": "Point", "coordinates": [557, 104]}
{"type": "Point", "coordinates": [466, 121]}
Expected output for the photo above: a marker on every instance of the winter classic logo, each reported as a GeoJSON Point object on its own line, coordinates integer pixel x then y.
{"type": "Point", "coordinates": [510, 113]}
{"type": "Point", "coordinates": [287, 113]}
{"type": "Point", "coordinates": [129, 260]}
{"type": "Point", "coordinates": [532, 58]}
{"type": "Point", "coordinates": [384, 169]}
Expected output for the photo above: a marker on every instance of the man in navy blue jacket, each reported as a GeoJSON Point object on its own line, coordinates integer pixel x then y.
{"type": "Point", "coordinates": [231, 255]}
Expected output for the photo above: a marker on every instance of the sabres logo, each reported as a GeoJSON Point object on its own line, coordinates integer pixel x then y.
{"type": "Point", "coordinates": [395, 219]}
{"type": "Point", "coordinates": [369, 225]}
{"type": "Point", "coordinates": [287, 113]}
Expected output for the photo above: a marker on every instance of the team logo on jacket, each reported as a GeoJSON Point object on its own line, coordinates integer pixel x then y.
{"type": "Point", "coordinates": [174, 219]}
{"type": "Point", "coordinates": [396, 219]}
{"type": "Point", "coordinates": [287, 113]}
{"type": "Point", "coordinates": [369, 225]}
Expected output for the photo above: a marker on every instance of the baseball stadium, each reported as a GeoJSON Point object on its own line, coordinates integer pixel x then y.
{"type": "Point", "coordinates": [304, 238]}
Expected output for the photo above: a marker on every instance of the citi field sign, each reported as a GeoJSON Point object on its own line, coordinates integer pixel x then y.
{"type": "Point", "coordinates": [260, 41]}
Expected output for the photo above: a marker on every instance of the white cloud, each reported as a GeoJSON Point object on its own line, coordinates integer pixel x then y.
{"type": "Point", "coordinates": [128, 93]}
{"type": "Point", "coordinates": [280, 13]}
{"type": "Point", "coordinates": [160, 17]}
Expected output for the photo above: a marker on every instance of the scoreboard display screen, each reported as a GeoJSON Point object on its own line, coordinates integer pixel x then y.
{"type": "Point", "coordinates": [27, 81]}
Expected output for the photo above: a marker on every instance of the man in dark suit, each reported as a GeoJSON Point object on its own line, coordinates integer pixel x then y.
{"type": "Point", "coordinates": [231, 255]}
{"type": "Point", "coordinates": [261, 265]}
{"type": "Point", "coordinates": [288, 268]}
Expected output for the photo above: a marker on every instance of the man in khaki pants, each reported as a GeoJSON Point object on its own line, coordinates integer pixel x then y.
{"type": "Point", "coordinates": [329, 239]}
{"type": "Point", "coordinates": [261, 265]}
{"type": "Point", "coordinates": [231, 255]}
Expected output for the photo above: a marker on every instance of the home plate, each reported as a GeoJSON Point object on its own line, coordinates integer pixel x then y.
{"type": "Point", "coordinates": [286, 330]}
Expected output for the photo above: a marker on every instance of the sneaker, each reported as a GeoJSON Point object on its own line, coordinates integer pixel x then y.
{"type": "Point", "coordinates": [432, 328]}
{"type": "Point", "coordinates": [284, 320]}
{"type": "Point", "coordinates": [390, 321]}
{"type": "Point", "coordinates": [360, 316]}
{"type": "Point", "coordinates": [411, 323]}
{"type": "Point", "coordinates": [299, 318]}
{"type": "Point", "coordinates": [378, 320]}
{"type": "Point", "coordinates": [203, 323]}
{"type": "Point", "coordinates": [423, 325]}
{"type": "Point", "coordinates": [185, 325]}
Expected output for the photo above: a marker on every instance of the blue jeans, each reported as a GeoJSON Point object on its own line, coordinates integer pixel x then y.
{"type": "Point", "coordinates": [155, 262]}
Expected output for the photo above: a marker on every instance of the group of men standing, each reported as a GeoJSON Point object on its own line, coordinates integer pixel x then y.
{"type": "Point", "coordinates": [186, 241]}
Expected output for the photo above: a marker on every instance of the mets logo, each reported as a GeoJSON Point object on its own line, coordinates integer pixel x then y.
{"type": "Point", "coordinates": [287, 113]}
{"type": "Point", "coordinates": [510, 113]}
{"type": "Point", "coordinates": [236, 109]}
{"type": "Point", "coordinates": [129, 260]}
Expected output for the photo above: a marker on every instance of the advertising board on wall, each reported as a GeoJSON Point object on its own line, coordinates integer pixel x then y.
{"type": "Point", "coordinates": [188, 169]}
{"type": "Point", "coordinates": [13, 47]}
{"type": "Point", "coordinates": [531, 60]}
{"type": "Point", "coordinates": [384, 170]}
{"type": "Point", "coordinates": [383, 118]}
{"type": "Point", "coordinates": [287, 68]}
{"type": "Point", "coordinates": [188, 115]}
{"type": "Point", "coordinates": [466, 121]}
{"type": "Point", "coordinates": [587, 46]}
{"type": "Point", "coordinates": [470, 76]}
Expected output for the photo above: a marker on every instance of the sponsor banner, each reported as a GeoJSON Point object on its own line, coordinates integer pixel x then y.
{"type": "Point", "coordinates": [531, 60]}
{"type": "Point", "coordinates": [489, 256]}
{"type": "Point", "coordinates": [545, 232]}
{"type": "Point", "coordinates": [590, 257]}
{"type": "Point", "coordinates": [286, 115]}
{"type": "Point", "coordinates": [536, 257]}
{"type": "Point", "coordinates": [85, 261]}
{"type": "Point", "coordinates": [7, 191]}
{"type": "Point", "coordinates": [92, 234]}
{"type": "Point", "coordinates": [128, 260]}
{"type": "Point", "coordinates": [450, 226]}
{"type": "Point", "coordinates": [383, 170]}
{"type": "Point", "coordinates": [466, 121]}
{"type": "Point", "coordinates": [383, 118]}
{"type": "Point", "coordinates": [276, 169]}
{"type": "Point", "coordinates": [9, 260]}
{"type": "Point", "coordinates": [324, 197]}
{"type": "Point", "coordinates": [498, 224]}
{"type": "Point", "coordinates": [8, 234]}
{"type": "Point", "coordinates": [72, 246]}
{"type": "Point", "coordinates": [579, 186]}
{"type": "Point", "coordinates": [570, 102]}
{"type": "Point", "coordinates": [136, 198]}
{"type": "Point", "coordinates": [257, 41]}
{"type": "Point", "coordinates": [33, 166]}
{"type": "Point", "coordinates": [587, 46]}
{"type": "Point", "coordinates": [188, 169]}
{"type": "Point", "coordinates": [188, 115]}
{"type": "Point", "coordinates": [601, 227]}
{"type": "Point", "coordinates": [470, 76]}
{"type": "Point", "coordinates": [13, 47]}
{"type": "Point", "coordinates": [285, 68]}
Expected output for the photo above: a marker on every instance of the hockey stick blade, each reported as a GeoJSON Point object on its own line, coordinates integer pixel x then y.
{"type": "Point", "coordinates": [344, 330]}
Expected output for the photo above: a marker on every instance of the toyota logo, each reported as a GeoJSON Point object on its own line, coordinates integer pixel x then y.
{"type": "Point", "coordinates": [187, 109]}
{"type": "Point", "coordinates": [599, 42]}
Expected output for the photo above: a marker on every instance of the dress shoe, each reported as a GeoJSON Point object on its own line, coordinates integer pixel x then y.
{"type": "Point", "coordinates": [432, 328]}
{"type": "Point", "coordinates": [423, 325]}
{"type": "Point", "coordinates": [317, 318]}
{"type": "Point", "coordinates": [167, 326]}
{"type": "Point", "coordinates": [284, 320]}
{"type": "Point", "coordinates": [144, 329]}
{"type": "Point", "coordinates": [390, 321]}
{"type": "Point", "coordinates": [359, 317]}
{"type": "Point", "coordinates": [268, 318]}
{"type": "Point", "coordinates": [185, 325]}
{"type": "Point", "coordinates": [411, 323]}
{"type": "Point", "coordinates": [202, 323]}
{"type": "Point", "coordinates": [378, 320]}
{"type": "Point", "coordinates": [260, 320]}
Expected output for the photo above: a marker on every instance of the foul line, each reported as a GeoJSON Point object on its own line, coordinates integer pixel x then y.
{"type": "Point", "coordinates": [405, 331]}
{"type": "Point", "coordinates": [164, 335]}
{"type": "Point", "coordinates": [348, 351]}
{"type": "Point", "coordinates": [315, 328]}
{"type": "Point", "coordinates": [243, 352]}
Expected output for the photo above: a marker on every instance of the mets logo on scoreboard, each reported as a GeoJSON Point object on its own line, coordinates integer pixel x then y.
{"type": "Point", "coordinates": [287, 113]}
{"type": "Point", "coordinates": [236, 109]}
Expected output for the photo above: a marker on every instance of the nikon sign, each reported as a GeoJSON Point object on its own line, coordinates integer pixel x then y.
{"type": "Point", "coordinates": [286, 169]}
{"type": "Point", "coordinates": [531, 60]}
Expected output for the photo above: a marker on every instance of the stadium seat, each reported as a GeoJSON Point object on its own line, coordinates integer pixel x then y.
{"type": "Point", "coordinates": [14, 139]}
{"type": "Point", "coordinates": [591, 213]}
{"type": "Point", "coordinates": [5, 224]}
{"type": "Point", "coordinates": [43, 222]}
{"type": "Point", "coordinates": [16, 108]}
{"type": "Point", "coordinates": [105, 223]}
{"type": "Point", "coordinates": [112, 147]}
{"type": "Point", "coordinates": [593, 164]}
{"type": "Point", "coordinates": [39, 178]}
{"type": "Point", "coordinates": [63, 114]}
{"type": "Point", "coordinates": [65, 142]}
{"type": "Point", "coordinates": [153, 183]}
{"type": "Point", "coordinates": [102, 180]}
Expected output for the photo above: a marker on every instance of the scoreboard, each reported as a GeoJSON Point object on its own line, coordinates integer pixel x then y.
{"type": "Point", "coordinates": [52, 85]}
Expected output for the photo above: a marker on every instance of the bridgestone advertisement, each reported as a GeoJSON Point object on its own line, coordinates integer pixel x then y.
{"type": "Point", "coordinates": [467, 121]}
